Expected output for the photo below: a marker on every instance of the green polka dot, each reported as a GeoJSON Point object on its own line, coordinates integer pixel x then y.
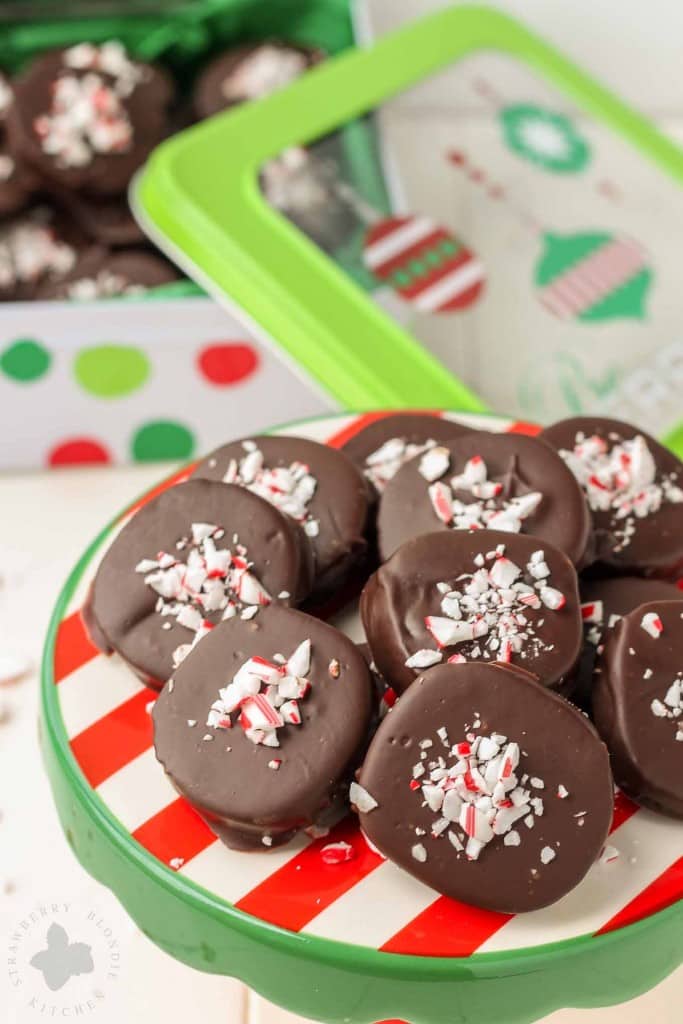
{"type": "Point", "coordinates": [162, 439]}
{"type": "Point", "coordinates": [401, 278]}
{"type": "Point", "coordinates": [432, 258]}
{"type": "Point", "coordinates": [111, 371]}
{"type": "Point", "coordinates": [25, 360]}
{"type": "Point", "coordinates": [449, 248]}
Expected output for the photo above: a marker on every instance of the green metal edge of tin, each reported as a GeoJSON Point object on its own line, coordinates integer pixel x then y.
{"type": "Point", "coordinates": [319, 978]}
{"type": "Point", "coordinates": [249, 253]}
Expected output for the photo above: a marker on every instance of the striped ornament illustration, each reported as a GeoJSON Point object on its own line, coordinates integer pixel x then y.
{"type": "Point", "coordinates": [424, 263]}
{"type": "Point", "coordinates": [107, 725]}
{"type": "Point", "coordinates": [593, 276]}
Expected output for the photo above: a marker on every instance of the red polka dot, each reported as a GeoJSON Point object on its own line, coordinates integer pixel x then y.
{"type": "Point", "coordinates": [78, 451]}
{"type": "Point", "coordinates": [227, 363]}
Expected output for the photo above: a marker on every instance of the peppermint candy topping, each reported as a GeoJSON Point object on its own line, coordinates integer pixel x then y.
{"type": "Point", "coordinates": [382, 465]}
{"type": "Point", "coordinates": [213, 579]}
{"type": "Point", "coordinates": [652, 624]}
{"type": "Point", "coordinates": [265, 694]}
{"type": "Point", "coordinates": [622, 480]}
{"type": "Point", "coordinates": [289, 488]}
{"type": "Point", "coordinates": [263, 71]}
{"type": "Point", "coordinates": [487, 510]}
{"type": "Point", "coordinates": [476, 792]}
{"type": "Point", "coordinates": [29, 249]}
{"type": "Point", "coordinates": [671, 706]}
{"type": "Point", "coordinates": [488, 609]}
{"type": "Point", "coordinates": [103, 286]}
{"type": "Point", "coordinates": [87, 116]}
{"type": "Point", "coordinates": [86, 119]}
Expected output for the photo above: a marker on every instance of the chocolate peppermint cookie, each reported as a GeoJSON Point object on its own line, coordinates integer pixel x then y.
{"type": "Point", "coordinates": [315, 485]}
{"type": "Point", "coordinates": [197, 554]}
{"type": "Point", "coordinates": [634, 488]}
{"type": "Point", "coordinates": [38, 248]}
{"type": "Point", "coordinates": [638, 704]}
{"type": "Point", "coordinates": [469, 596]}
{"type": "Point", "coordinates": [88, 116]}
{"type": "Point", "coordinates": [483, 480]}
{"type": "Point", "coordinates": [101, 274]}
{"type": "Point", "coordinates": [250, 72]}
{"type": "Point", "coordinates": [263, 724]}
{"type": "Point", "coordinates": [603, 603]}
{"type": "Point", "coordinates": [382, 447]}
{"type": "Point", "coordinates": [108, 222]}
{"type": "Point", "coordinates": [487, 787]}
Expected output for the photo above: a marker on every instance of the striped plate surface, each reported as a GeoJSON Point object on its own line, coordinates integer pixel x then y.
{"type": "Point", "coordinates": [105, 711]}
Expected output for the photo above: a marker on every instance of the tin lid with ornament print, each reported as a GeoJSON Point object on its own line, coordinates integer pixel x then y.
{"type": "Point", "coordinates": [342, 209]}
{"type": "Point", "coordinates": [324, 925]}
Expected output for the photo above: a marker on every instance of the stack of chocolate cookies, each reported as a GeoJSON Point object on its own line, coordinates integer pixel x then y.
{"type": "Point", "coordinates": [510, 585]}
{"type": "Point", "coordinates": [76, 124]}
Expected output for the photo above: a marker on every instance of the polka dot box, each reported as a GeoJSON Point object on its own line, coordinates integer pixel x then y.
{"type": "Point", "coordinates": [135, 381]}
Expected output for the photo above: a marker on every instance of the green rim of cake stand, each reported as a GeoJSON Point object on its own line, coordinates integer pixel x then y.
{"type": "Point", "coordinates": [321, 978]}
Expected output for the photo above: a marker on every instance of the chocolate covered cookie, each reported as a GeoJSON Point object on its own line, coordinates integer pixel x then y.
{"type": "Point", "coordinates": [483, 480]}
{"type": "Point", "coordinates": [197, 554]}
{"type": "Point", "coordinates": [315, 485]}
{"type": "Point", "coordinates": [101, 274]}
{"type": "Point", "coordinates": [385, 445]}
{"type": "Point", "coordinates": [603, 603]}
{"type": "Point", "coordinates": [263, 724]}
{"type": "Point", "coordinates": [465, 596]}
{"type": "Point", "coordinates": [250, 72]}
{"type": "Point", "coordinates": [638, 704]}
{"type": "Point", "coordinates": [108, 222]}
{"type": "Point", "coordinates": [88, 116]}
{"type": "Point", "coordinates": [38, 248]}
{"type": "Point", "coordinates": [487, 787]}
{"type": "Point", "coordinates": [634, 488]}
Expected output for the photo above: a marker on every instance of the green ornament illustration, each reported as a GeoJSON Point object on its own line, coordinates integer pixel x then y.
{"type": "Point", "coordinates": [545, 138]}
{"type": "Point", "coordinates": [593, 276]}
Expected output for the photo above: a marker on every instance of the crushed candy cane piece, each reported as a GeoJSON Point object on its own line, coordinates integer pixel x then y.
{"type": "Point", "coordinates": [652, 624]}
{"type": "Point", "coordinates": [337, 853]}
{"type": "Point", "coordinates": [382, 465]}
{"type": "Point", "coordinates": [265, 693]}
{"type": "Point", "coordinates": [609, 854]}
{"type": "Point", "coordinates": [547, 854]}
{"type": "Point", "coordinates": [289, 488]}
{"type": "Point", "coordinates": [423, 658]}
{"type": "Point", "coordinates": [361, 799]}
{"type": "Point", "coordinates": [622, 480]}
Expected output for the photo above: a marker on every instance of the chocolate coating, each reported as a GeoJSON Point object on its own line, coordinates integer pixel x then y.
{"type": "Point", "coordinates": [617, 597]}
{"type": "Point", "coordinates": [521, 464]}
{"type": "Point", "coordinates": [218, 86]}
{"type": "Point", "coordinates": [108, 222]}
{"type": "Point", "coordinates": [38, 248]}
{"type": "Point", "coordinates": [636, 669]}
{"type": "Point", "coordinates": [559, 747]}
{"type": "Point", "coordinates": [656, 546]}
{"type": "Point", "coordinates": [241, 798]}
{"type": "Point", "coordinates": [104, 173]}
{"type": "Point", "coordinates": [101, 274]}
{"type": "Point", "coordinates": [339, 503]}
{"type": "Point", "coordinates": [410, 428]}
{"type": "Point", "coordinates": [121, 606]}
{"type": "Point", "coordinates": [403, 592]}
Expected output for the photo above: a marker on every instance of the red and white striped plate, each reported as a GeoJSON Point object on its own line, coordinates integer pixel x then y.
{"type": "Point", "coordinates": [105, 711]}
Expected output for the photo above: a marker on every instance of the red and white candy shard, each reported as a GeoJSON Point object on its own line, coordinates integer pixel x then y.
{"type": "Point", "coordinates": [488, 609]}
{"type": "Point", "coordinates": [621, 480]}
{"type": "Point", "coordinates": [474, 790]}
{"type": "Point", "coordinates": [671, 706]}
{"type": "Point", "coordinates": [30, 249]}
{"type": "Point", "coordinates": [486, 510]}
{"type": "Point", "coordinates": [289, 488]}
{"type": "Point", "coordinates": [266, 694]}
{"type": "Point", "coordinates": [652, 624]}
{"type": "Point", "coordinates": [337, 853]}
{"type": "Point", "coordinates": [213, 579]}
{"type": "Point", "coordinates": [86, 118]}
{"type": "Point", "coordinates": [263, 71]}
{"type": "Point", "coordinates": [384, 463]}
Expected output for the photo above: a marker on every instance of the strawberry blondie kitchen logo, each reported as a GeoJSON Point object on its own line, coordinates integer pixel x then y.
{"type": "Point", "coordinates": [63, 960]}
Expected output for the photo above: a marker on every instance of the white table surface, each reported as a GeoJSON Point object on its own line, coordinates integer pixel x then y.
{"type": "Point", "coordinates": [36, 864]}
